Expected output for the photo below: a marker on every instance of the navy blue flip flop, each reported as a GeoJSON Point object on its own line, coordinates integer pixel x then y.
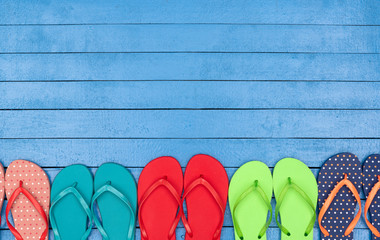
{"type": "Point", "coordinates": [371, 186]}
{"type": "Point", "coordinates": [339, 183]}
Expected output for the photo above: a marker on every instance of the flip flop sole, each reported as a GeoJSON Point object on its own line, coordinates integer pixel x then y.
{"type": "Point", "coordinates": [27, 220]}
{"type": "Point", "coordinates": [371, 169]}
{"type": "Point", "coordinates": [342, 208]}
{"type": "Point", "coordinates": [202, 210]}
{"type": "Point", "coordinates": [295, 212]}
{"type": "Point", "coordinates": [252, 211]}
{"type": "Point", "coordinates": [115, 215]}
{"type": "Point", "coordinates": [68, 212]}
{"type": "Point", "coordinates": [2, 186]}
{"type": "Point", "coordinates": [160, 208]}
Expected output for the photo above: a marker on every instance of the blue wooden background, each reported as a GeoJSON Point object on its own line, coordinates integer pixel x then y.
{"type": "Point", "coordinates": [127, 81]}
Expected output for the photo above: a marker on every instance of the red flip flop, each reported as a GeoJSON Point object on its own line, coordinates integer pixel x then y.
{"type": "Point", "coordinates": [159, 198]}
{"type": "Point", "coordinates": [206, 190]}
{"type": "Point", "coordinates": [28, 191]}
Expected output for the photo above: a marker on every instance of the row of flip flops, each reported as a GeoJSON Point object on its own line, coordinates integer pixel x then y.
{"type": "Point", "coordinates": [78, 199]}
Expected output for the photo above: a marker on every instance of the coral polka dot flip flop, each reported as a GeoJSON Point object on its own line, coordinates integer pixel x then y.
{"type": "Point", "coordinates": [2, 187]}
{"type": "Point", "coordinates": [339, 181]}
{"type": "Point", "coordinates": [371, 186]}
{"type": "Point", "coordinates": [28, 191]}
{"type": "Point", "coordinates": [205, 192]}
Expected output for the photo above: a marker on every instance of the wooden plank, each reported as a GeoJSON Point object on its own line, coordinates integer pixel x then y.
{"type": "Point", "coordinates": [190, 124]}
{"type": "Point", "coordinates": [138, 152]}
{"type": "Point", "coordinates": [189, 66]}
{"type": "Point", "coordinates": [189, 95]}
{"type": "Point", "coordinates": [197, 11]}
{"type": "Point", "coordinates": [189, 38]}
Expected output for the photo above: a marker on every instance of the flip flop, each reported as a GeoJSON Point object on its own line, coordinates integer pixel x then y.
{"type": "Point", "coordinates": [116, 196]}
{"type": "Point", "coordinates": [250, 195]}
{"type": "Point", "coordinates": [371, 187]}
{"type": "Point", "coordinates": [339, 181]}
{"type": "Point", "coordinates": [2, 187]}
{"type": "Point", "coordinates": [71, 196]}
{"type": "Point", "coordinates": [159, 197]}
{"type": "Point", "coordinates": [296, 193]}
{"type": "Point", "coordinates": [205, 192]}
{"type": "Point", "coordinates": [28, 191]}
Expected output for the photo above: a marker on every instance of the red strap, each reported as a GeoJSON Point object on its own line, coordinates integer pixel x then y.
{"type": "Point", "coordinates": [35, 204]}
{"type": "Point", "coordinates": [162, 182]}
{"type": "Point", "coordinates": [203, 182]}
{"type": "Point", "coordinates": [368, 203]}
{"type": "Point", "coordinates": [331, 197]}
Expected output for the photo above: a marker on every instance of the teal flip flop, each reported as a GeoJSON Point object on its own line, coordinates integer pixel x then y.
{"type": "Point", "coordinates": [71, 193]}
{"type": "Point", "coordinates": [250, 195]}
{"type": "Point", "coordinates": [116, 197]}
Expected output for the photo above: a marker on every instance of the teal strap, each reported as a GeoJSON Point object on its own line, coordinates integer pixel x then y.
{"type": "Point", "coordinates": [60, 196]}
{"type": "Point", "coordinates": [108, 188]}
{"type": "Point", "coordinates": [294, 186]}
{"type": "Point", "coordinates": [254, 188]}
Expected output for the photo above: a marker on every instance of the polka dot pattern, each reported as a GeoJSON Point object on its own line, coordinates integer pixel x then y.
{"type": "Point", "coordinates": [342, 209]}
{"type": "Point", "coordinates": [27, 220]}
{"type": "Point", "coordinates": [371, 169]}
{"type": "Point", "coordinates": [2, 186]}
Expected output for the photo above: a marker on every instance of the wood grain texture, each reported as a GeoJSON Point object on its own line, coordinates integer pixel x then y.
{"type": "Point", "coordinates": [128, 81]}
{"type": "Point", "coordinates": [190, 124]}
{"type": "Point", "coordinates": [363, 12]}
{"type": "Point", "coordinates": [189, 66]}
{"type": "Point", "coordinates": [134, 153]}
{"type": "Point", "coordinates": [189, 95]}
{"type": "Point", "coordinates": [189, 38]}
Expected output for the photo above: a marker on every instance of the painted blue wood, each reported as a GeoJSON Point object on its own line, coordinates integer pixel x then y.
{"type": "Point", "coordinates": [213, 11]}
{"type": "Point", "coordinates": [190, 38]}
{"type": "Point", "coordinates": [190, 66]}
{"type": "Point", "coordinates": [190, 124]}
{"type": "Point", "coordinates": [177, 95]}
{"type": "Point", "coordinates": [138, 152]}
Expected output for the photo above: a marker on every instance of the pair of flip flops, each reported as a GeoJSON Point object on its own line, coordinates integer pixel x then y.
{"type": "Point", "coordinates": [340, 181]}
{"type": "Point", "coordinates": [28, 192]}
{"type": "Point", "coordinates": [162, 190]}
{"type": "Point", "coordinates": [295, 190]}
{"type": "Point", "coordinates": [75, 193]}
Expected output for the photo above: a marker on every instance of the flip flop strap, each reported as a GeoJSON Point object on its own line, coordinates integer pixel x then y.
{"type": "Point", "coordinates": [165, 183]}
{"type": "Point", "coordinates": [108, 188]}
{"type": "Point", "coordinates": [368, 203]}
{"type": "Point", "coordinates": [203, 182]}
{"type": "Point", "coordinates": [330, 198]}
{"type": "Point", "coordinates": [254, 188]}
{"type": "Point", "coordinates": [292, 185]}
{"type": "Point", "coordinates": [79, 197]}
{"type": "Point", "coordinates": [36, 205]}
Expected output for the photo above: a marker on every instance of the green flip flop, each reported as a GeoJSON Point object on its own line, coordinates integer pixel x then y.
{"type": "Point", "coordinates": [296, 193]}
{"type": "Point", "coordinates": [71, 194]}
{"type": "Point", "coordinates": [116, 197]}
{"type": "Point", "coordinates": [250, 194]}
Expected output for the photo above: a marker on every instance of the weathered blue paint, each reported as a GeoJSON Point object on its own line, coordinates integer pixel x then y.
{"type": "Point", "coordinates": [128, 81]}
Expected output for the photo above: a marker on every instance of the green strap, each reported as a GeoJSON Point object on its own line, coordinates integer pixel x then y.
{"type": "Point", "coordinates": [254, 188]}
{"type": "Point", "coordinates": [283, 193]}
{"type": "Point", "coordinates": [108, 188]}
{"type": "Point", "coordinates": [60, 196]}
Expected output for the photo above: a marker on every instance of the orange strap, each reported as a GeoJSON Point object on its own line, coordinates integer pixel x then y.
{"type": "Point", "coordinates": [329, 200]}
{"type": "Point", "coordinates": [370, 198]}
